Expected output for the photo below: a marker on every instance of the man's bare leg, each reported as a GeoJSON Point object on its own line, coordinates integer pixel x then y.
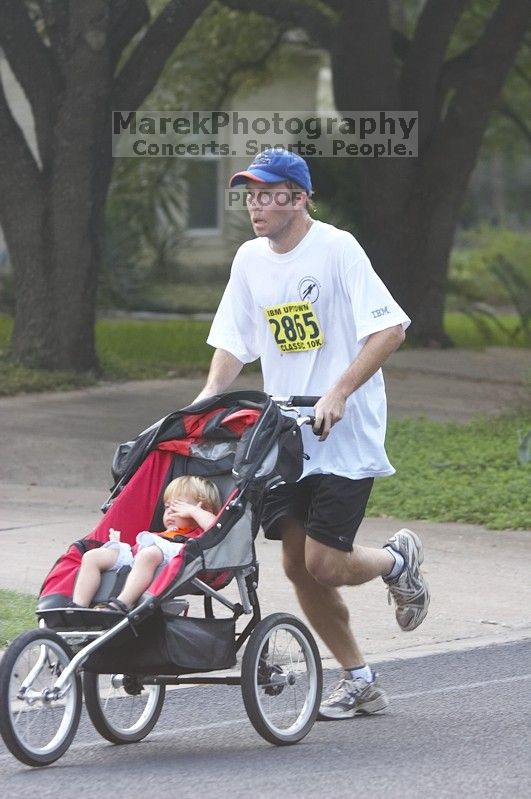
{"type": "Point", "coordinates": [333, 567]}
{"type": "Point", "coordinates": [358, 691]}
{"type": "Point", "coordinates": [322, 604]}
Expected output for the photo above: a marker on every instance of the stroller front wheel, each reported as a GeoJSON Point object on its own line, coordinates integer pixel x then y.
{"type": "Point", "coordinates": [38, 723]}
{"type": "Point", "coordinates": [281, 679]}
{"type": "Point", "coordinates": [122, 709]}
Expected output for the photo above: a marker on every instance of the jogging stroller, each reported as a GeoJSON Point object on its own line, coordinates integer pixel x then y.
{"type": "Point", "coordinates": [122, 663]}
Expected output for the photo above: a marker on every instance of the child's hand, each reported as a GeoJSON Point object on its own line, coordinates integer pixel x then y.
{"type": "Point", "coordinates": [114, 535]}
{"type": "Point", "coordinates": [183, 508]}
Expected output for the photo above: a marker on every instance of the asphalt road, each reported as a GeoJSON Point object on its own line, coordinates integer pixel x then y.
{"type": "Point", "coordinates": [457, 726]}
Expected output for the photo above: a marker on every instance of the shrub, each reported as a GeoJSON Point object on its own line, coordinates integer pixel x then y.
{"type": "Point", "coordinates": [471, 277]}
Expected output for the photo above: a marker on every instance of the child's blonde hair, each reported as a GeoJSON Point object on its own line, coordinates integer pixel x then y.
{"type": "Point", "coordinates": [198, 488]}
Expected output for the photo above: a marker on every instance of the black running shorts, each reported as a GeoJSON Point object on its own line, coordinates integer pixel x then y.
{"type": "Point", "coordinates": [330, 507]}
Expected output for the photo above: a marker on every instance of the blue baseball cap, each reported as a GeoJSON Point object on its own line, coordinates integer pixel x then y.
{"type": "Point", "coordinates": [276, 166]}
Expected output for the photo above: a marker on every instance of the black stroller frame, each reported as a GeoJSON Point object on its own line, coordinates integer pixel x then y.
{"type": "Point", "coordinates": [122, 664]}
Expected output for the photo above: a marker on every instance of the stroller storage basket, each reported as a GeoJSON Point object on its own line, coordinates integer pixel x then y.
{"type": "Point", "coordinates": [169, 645]}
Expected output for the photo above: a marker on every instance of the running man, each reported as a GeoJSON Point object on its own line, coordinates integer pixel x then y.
{"type": "Point", "coordinates": [304, 298]}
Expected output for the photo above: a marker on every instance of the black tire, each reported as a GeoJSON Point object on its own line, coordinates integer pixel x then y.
{"type": "Point", "coordinates": [37, 728]}
{"type": "Point", "coordinates": [120, 707]}
{"type": "Point", "coordinates": [282, 679]}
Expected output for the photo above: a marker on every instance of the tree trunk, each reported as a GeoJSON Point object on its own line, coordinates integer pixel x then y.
{"type": "Point", "coordinates": [407, 231]}
{"type": "Point", "coordinates": [415, 265]}
{"type": "Point", "coordinates": [81, 174]}
{"type": "Point", "coordinates": [56, 252]}
{"type": "Point", "coordinates": [55, 258]}
{"type": "Point", "coordinates": [33, 339]}
{"type": "Point", "coordinates": [404, 229]}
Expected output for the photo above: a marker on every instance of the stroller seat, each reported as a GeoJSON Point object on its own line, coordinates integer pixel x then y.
{"type": "Point", "coordinates": [202, 444]}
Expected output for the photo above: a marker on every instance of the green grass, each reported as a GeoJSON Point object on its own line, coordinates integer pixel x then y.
{"type": "Point", "coordinates": [466, 334]}
{"type": "Point", "coordinates": [138, 349]}
{"type": "Point", "coordinates": [456, 473]}
{"type": "Point", "coordinates": [16, 379]}
{"type": "Point", "coordinates": [17, 613]}
{"type": "Point", "coordinates": [128, 349]}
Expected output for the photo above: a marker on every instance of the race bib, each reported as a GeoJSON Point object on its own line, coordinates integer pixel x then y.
{"type": "Point", "coordinates": [294, 326]}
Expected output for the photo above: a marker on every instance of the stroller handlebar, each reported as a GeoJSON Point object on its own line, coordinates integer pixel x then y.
{"type": "Point", "coordinates": [301, 401]}
{"type": "Point", "coordinates": [297, 401]}
{"type": "Point", "coordinates": [302, 420]}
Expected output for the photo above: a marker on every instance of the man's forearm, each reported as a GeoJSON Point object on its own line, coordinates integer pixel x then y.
{"type": "Point", "coordinates": [331, 406]}
{"type": "Point", "coordinates": [377, 349]}
{"type": "Point", "coordinates": [224, 369]}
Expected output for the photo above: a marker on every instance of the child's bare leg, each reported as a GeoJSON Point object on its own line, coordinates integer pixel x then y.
{"type": "Point", "coordinates": [141, 574]}
{"type": "Point", "coordinates": [93, 563]}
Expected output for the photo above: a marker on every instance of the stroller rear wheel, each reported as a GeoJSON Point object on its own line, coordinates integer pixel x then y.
{"type": "Point", "coordinates": [38, 722]}
{"type": "Point", "coordinates": [281, 679]}
{"type": "Point", "coordinates": [122, 709]}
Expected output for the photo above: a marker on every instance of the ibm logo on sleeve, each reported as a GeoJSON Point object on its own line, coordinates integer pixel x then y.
{"type": "Point", "coordinates": [380, 312]}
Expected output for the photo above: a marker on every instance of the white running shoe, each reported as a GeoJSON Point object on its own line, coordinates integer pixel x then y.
{"type": "Point", "coordinates": [409, 590]}
{"type": "Point", "coordinates": [351, 696]}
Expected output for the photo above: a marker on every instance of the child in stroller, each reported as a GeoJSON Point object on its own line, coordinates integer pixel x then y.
{"type": "Point", "coordinates": [191, 504]}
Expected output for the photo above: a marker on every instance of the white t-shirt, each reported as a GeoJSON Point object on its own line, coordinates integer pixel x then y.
{"type": "Point", "coordinates": [306, 314]}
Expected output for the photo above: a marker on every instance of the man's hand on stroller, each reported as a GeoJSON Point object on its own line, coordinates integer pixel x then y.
{"type": "Point", "coordinates": [328, 411]}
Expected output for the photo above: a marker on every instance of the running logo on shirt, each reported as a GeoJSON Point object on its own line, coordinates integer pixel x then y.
{"type": "Point", "coordinates": [294, 326]}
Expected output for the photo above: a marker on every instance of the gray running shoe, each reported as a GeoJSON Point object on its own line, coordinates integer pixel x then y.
{"type": "Point", "coordinates": [353, 696]}
{"type": "Point", "coordinates": [409, 590]}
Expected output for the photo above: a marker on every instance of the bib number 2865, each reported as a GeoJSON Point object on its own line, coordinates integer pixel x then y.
{"type": "Point", "coordinates": [294, 326]}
